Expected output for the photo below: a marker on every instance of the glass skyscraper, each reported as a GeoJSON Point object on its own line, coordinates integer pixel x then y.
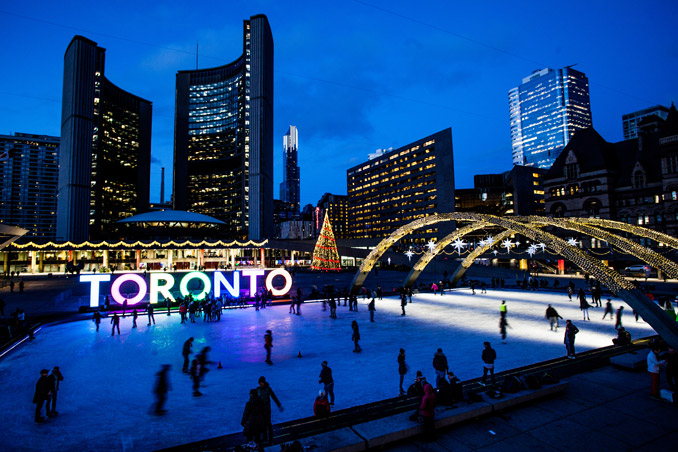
{"type": "Point", "coordinates": [545, 111]}
{"type": "Point", "coordinates": [223, 138]}
{"type": "Point", "coordinates": [289, 188]}
{"type": "Point", "coordinates": [631, 120]}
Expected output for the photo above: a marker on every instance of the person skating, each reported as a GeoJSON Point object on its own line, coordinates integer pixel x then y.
{"type": "Point", "coordinates": [608, 309]}
{"type": "Point", "coordinates": [185, 352]}
{"type": "Point", "coordinates": [135, 314]}
{"type": "Point", "coordinates": [168, 302]}
{"type": "Point", "coordinates": [265, 394]}
{"type": "Point", "coordinates": [115, 321]}
{"type": "Point", "coordinates": [583, 304]}
{"type": "Point", "coordinates": [618, 321]}
{"type": "Point", "coordinates": [254, 418]}
{"type": "Point", "coordinates": [162, 387]}
{"type": "Point", "coordinates": [268, 345]}
{"type": "Point", "coordinates": [356, 337]}
{"type": "Point", "coordinates": [321, 407]}
{"type": "Point", "coordinates": [96, 318]}
{"type": "Point", "coordinates": [299, 300]}
{"type": "Point", "coordinates": [327, 380]}
{"type": "Point", "coordinates": [54, 378]}
{"type": "Point", "coordinates": [503, 310]}
{"type": "Point", "coordinates": [403, 303]}
{"type": "Point", "coordinates": [42, 395]}
{"type": "Point", "coordinates": [402, 369]}
{"type": "Point", "coordinates": [333, 307]}
{"type": "Point", "coordinates": [203, 362]}
{"type": "Point", "coordinates": [488, 356]}
{"type": "Point", "coordinates": [371, 308]}
{"type": "Point", "coordinates": [503, 324]}
{"type": "Point", "coordinates": [151, 318]}
{"type": "Point", "coordinates": [124, 307]}
{"type": "Point", "coordinates": [570, 331]}
{"type": "Point", "coordinates": [182, 312]}
{"type": "Point", "coordinates": [440, 365]}
{"type": "Point", "coordinates": [195, 376]}
{"type": "Point", "coordinates": [553, 317]}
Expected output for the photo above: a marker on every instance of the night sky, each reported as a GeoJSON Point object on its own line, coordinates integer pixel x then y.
{"type": "Point", "coordinates": [352, 75]}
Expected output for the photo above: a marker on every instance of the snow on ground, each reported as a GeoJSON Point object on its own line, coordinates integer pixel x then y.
{"type": "Point", "coordinates": [105, 399]}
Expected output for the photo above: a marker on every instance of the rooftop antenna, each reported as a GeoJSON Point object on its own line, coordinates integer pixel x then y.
{"type": "Point", "coordinates": [162, 186]}
{"type": "Point", "coordinates": [196, 55]}
{"type": "Point", "coordinates": [572, 65]}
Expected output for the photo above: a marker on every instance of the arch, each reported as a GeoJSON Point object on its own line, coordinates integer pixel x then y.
{"type": "Point", "coordinates": [631, 228]}
{"type": "Point", "coordinates": [476, 253]}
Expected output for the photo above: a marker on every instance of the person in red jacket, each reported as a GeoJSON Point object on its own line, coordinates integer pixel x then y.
{"type": "Point", "coordinates": [427, 410]}
{"type": "Point", "coordinates": [321, 406]}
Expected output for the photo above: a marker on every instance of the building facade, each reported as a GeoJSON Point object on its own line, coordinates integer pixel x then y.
{"type": "Point", "coordinates": [29, 174]}
{"type": "Point", "coordinates": [223, 138]}
{"type": "Point", "coordinates": [336, 206]}
{"type": "Point", "coordinates": [105, 157]}
{"type": "Point", "coordinates": [545, 111]}
{"type": "Point", "coordinates": [632, 120]}
{"type": "Point", "coordinates": [397, 187]}
{"type": "Point", "coordinates": [633, 181]}
{"type": "Point", "coordinates": [290, 186]}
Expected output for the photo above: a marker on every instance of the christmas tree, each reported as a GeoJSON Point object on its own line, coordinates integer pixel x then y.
{"type": "Point", "coordinates": [325, 255]}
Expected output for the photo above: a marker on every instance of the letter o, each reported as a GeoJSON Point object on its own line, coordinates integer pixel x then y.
{"type": "Point", "coordinates": [140, 282]}
{"type": "Point", "coordinates": [183, 286]}
{"type": "Point", "coordinates": [288, 281]}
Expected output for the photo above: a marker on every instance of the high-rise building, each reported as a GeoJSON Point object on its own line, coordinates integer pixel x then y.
{"type": "Point", "coordinates": [105, 157]}
{"type": "Point", "coordinates": [336, 206]}
{"type": "Point", "coordinates": [631, 120]}
{"type": "Point", "coordinates": [29, 172]}
{"type": "Point", "coordinates": [402, 185]}
{"type": "Point", "coordinates": [223, 138]}
{"type": "Point", "coordinates": [545, 111]}
{"type": "Point", "coordinates": [289, 188]}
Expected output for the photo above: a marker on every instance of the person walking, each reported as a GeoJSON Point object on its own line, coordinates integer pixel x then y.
{"type": "Point", "coordinates": [570, 331]}
{"type": "Point", "coordinates": [115, 321]}
{"type": "Point", "coordinates": [608, 309]}
{"type": "Point", "coordinates": [618, 321]}
{"type": "Point", "coordinates": [403, 303]}
{"type": "Point", "coordinates": [583, 304]}
{"type": "Point", "coordinates": [654, 368]}
{"type": "Point", "coordinates": [185, 352]}
{"type": "Point", "coordinates": [54, 378]}
{"type": "Point", "coordinates": [327, 380]}
{"type": "Point", "coordinates": [402, 369]}
{"type": "Point", "coordinates": [356, 337]}
{"type": "Point", "coordinates": [268, 345]}
{"type": "Point", "coordinates": [42, 395]}
{"type": "Point", "coordinates": [265, 394]}
{"type": "Point", "coordinates": [162, 387]}
{"type": "Point", "coordinates": [440, 365]}
{"type": "Point", "coordinates": [253, 419]}
{"type": "Point", "coordinates": [135, 314]}
{"type": "Point", "coordinates": [371, 308]}
{"type": "Point", "coordinates": [553, 317]}
{"type": "Point", "coordinates": [96, 318]}
{"type": "Point", "coordinates": [488, 356]}
{"type": "Point", "coordinates": [150, 310]}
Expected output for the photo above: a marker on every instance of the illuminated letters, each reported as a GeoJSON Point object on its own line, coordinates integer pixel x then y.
{"type": "Point", "coordinates": [94, 288]}
{"type": "Point", "coordinates": [183, 286]}
{"type": "Point", "coordinates": [253, 279]}
{"type": "Point", "coordinates": [219, 280]}
{"type": "Point", "coordinates": [285, 275]}
{"type": "Point", "coordinates": [163, 289]}
{"type": "Point", "coordinates": [140, 282]}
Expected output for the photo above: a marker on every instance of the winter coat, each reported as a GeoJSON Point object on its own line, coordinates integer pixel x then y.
{"type": "Point", "coordinates": [253, 417]}
{"type": "Point", "coordinates": [356, 333]}
{"type": "Point", "coordinates": [326, 376]}
{"type": "Point", "coordinates": [268, 341]}
{"type": "Point", "coordinates": [187, 348]}
{"type": "Point", "coordinates": [551, 312]}
{"type": "Point", "coordinates": [570, 331]}
{"type": "Point", "coordinates": [428, 403]}
{"type": "Point", "coordinates": [42, 389]}
{"type": "Point", "coordinates": [440, 362]}
{"type": "Point", "coordinates": [321, 407]}
{"type": "Point", "coordinates": [265, 395]}
{"type": "Point", "coordinates": [489, 355]}
{"type": "Point", "coordinates": [402, 367]}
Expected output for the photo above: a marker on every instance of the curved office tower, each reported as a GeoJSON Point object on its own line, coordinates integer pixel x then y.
{"type": "Point", "coordinates": [223, 138]}
{"type": "Point", "coordinates": [105, 160]}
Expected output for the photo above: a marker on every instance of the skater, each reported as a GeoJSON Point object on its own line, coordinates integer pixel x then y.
{"type": "Point", "coordinates": [265, 394]}
{"type": "Point", "coordinates": [503, 323]}
{"type": "Point", "coordinates": [333, 307]}
{"type": "Point", "coordinates": [570, 331]}
{"type": "Point", "coordinates": [54, 378]}
{"type": "Point", "coordinates": [42, 395]}
{"type": "Point", "coordinates": [253, 419]}
{"type": "Point", "coordinates": [321, 407]}
{"type": "Point", "coordinates": [553, 317]}
{"type": "Point", "coordinates": [96, 318]}
{"type": "Point", "coordinates": [618, 321]}
{"type": "Point", "coordinates": [149, 310]}
{"type": "Point", "coordinates": [299, 300]}
{"type": "Point", "coordinates": [115, 321]}
{"type": "Point", "coordinates": [203, 362]}
{"type": "Point", "coordinates": [292, 310]}
{"type": "Point", "coordinates": [182, 312]}
{"type": "Point", "coordinates": [440, 365]}
{"type": "Point", "coordinates": [402, 369]}
{"type": "Point", "coordinates": [192, 307]}
{"type": "Point", "coordinates": [268, 345]}
{"type": "Point", "coordinates": [185, 352]}
{"type": "Point", "coordinates": [195, 376]}
{"type": "Point", "coordinates": [584, 305]}
{"type": "Point", "coordinates": [654, 368]}
{"type": "Point", "coordinates": [608, 309]}
{"type": "Point", "coordinates": [124, 307]}
{"type": "Point", "coordinates": [596, 295]}
{"type": "Point", "coordinates": [257, 298]}
{"type": "Point", "coordinates": [403, 303]}
{"type": "Point", "coordinates": [472, 285]}
{"type": "Point", "coordinates": [371, 308]}
{"type": "Point", "coordinates": [503, 309]}
{"type": "Point", "coordinates": [327, 380]}
{"type": "Point", "coordinates": [356, 337]}
{"type": "Point", "coordinates": [168, 302]}
{"type": "Point", "coordinates": [135, 314]}
{"type": "Point", "coordinates": [409, 294]}
{"type": "Point", "coordinates": [488, 356]}
{"type": "Point", "coordinates": [162, 387]}
{"type": "Point", "coordinates": [483, 287]}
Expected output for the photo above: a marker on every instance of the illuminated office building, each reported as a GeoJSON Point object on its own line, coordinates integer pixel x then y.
{"type": "Point", "coordinates": [289, 187]}
{"type": "Point", "coordinates": [336, 206]}
{"type": "Point", "coordinates": [29, 171]}
{"type": "Point", "coordinates": [105, 158]}
{"type": "Point", "coordinates": [632, 120]}
{"type": "Point", "coordinates": [545, 111]}
{"type": "Point", "coordinates": [223, 138]}
{"type": "Point", "coordinates": [401, 185]}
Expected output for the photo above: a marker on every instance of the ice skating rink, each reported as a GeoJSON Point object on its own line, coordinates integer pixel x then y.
{"type": "Point", "coordinates": [105, 399]}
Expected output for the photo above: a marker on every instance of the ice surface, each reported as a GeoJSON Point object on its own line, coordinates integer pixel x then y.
{"type": "Point", "coordinates": [105, 399]}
